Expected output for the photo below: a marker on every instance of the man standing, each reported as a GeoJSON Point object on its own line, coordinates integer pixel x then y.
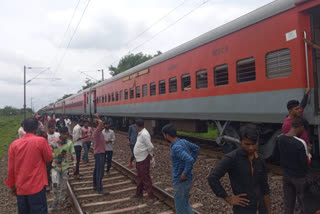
{"type": "Point", "coordinates": [77, 142]}
{"type": "Point", "coordinates": [27, 175]}
{"type": "Point", "coordinates": [183, 155]}
{"type": "Point", "coordinates": [62, 148]}
{"type": "Point", "coordinates": [294, 162]}
{"type": "Point", "coordinates": [99, 156]}
{"type": "Point", "coordinates": [109, 139]}
{"type": "Point", "coordinates": [52, 136]}
{"type": "Point", "coordinates": [143, 154]}
{"type": "Point", "coordinates": [296, 110]}
{"type": "Point", "coordinates": [21, 131]}
{"type": "Point", "coordinates": [247, 173]}
{"type": "Point", "coordinates": [132, 139]}
{"type": "Point", "coordinates": [60, 123]}
{"type": "Point", "coordinates": [67, 121]}
{"type": "Point", "coordinates": [86, 131]}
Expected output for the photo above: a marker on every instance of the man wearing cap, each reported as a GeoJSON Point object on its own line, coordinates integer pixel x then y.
{"type": "Point", "coordinates": [296, 110]}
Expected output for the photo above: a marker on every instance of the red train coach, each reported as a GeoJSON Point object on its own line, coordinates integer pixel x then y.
{"type": "Point", "coordinates": [243, 71]}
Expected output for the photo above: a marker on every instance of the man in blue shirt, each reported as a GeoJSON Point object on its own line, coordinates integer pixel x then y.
{"type": "Point", "coordinates": [132, 139]}
{"type": "Point", "coordinates": [183, 155]}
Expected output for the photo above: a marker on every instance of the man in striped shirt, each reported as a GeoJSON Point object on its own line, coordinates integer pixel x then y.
{"type": "Point", "coordinates": [183, 155]}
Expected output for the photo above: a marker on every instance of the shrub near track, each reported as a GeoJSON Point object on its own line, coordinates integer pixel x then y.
{"type": "Point", "coordinates": [9, 126]}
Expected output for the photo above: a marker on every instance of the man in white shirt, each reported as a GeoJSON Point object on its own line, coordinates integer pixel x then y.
{"type": "Point", "coordinates": [52, 136]}
{"type": "Point", "coordinates": [77, 142]}
{"type": "Point", "coordinates": [109, 139]}
{"type": "Point", "coordinates": [143, 154]}
{"type": "Point", "coordinates": [67, 121]}
{"type": "Point", "coordinates": [21, 131]}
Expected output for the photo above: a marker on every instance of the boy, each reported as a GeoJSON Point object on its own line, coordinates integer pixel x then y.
{"type": "Point", "coordinates": [86, 131]}
{"type": "Point", "coordinates": [52, 136]}
{"type": "Point", "coordinates": [62, 148]}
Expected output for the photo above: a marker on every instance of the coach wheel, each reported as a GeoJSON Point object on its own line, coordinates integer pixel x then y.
{"type": "Point", "coordinates": [229, 146]}
{"type": "Point", "coordinates": [265, 151]}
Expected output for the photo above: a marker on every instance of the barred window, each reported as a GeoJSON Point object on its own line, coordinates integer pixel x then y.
{"type": "Point", "coordinates": [144, 90]}
{"type": "Point", "coordinates": [278, 63]}
{"type": "Point", "coordinates": [117, 96]}
{"type": "Point", "coordinates": [185, 82]}
{"type": "Point", "coordinates": [152, 89]}
{"type": "Point", "coordinates": [109, 97]}
{"type": "Point", "coordinates": [221, 76]}
{"type": "Point", "coordinates": [112, 96]}
{"type": "Point", "coordinates": [131, 93]}
{"type": "Point", "coordinates": [246, 70]}
{"type": "Point", "coordinates": [138, 92]}
{"type": "Point", "coordinates": [126, 94]}
{"type": "Point", "coordinates": [121, 95]}
{"type": "Point", "coordinates": [162, 87]}
{"type": "Point", "coordinates": [102, 99]}
{"type": "Point", "coordinates": [173, 85]}
{"type": "Point", "coordinates": [202, 79]}
{"type": "Point", "coordinates": [106, 98]}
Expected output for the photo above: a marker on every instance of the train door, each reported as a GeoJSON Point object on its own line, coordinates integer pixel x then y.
{"type": "Point", "coordinates": [93, 106]}
{"type": "Point", "coordinates": [85, 102]}
{"type": "Point", "coordinates": [315, 37]}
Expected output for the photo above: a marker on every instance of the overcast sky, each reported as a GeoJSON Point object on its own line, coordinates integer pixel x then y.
{"type": "Point", "coordinates": [33, 33]}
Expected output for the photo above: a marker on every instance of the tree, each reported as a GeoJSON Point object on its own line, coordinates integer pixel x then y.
{"type": "Point", "coordinates": [129, 61]}
{"type": "Point", "coordinates": [89, 84]}
{"type": "Point", "coordinates": [65, 96]}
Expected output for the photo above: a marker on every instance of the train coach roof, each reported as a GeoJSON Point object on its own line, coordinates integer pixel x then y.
{"type": "Point", "coordinates": [246, 20]}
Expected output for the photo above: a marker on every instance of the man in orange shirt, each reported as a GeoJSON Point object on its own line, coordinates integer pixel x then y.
{"type": "Point", "coordinates": [27, 175]}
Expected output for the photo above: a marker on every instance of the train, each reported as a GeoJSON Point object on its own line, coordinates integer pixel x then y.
{"type": "Point", "coordinates": [243, 71]}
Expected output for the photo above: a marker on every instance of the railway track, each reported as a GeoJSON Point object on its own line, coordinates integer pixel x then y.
{"type": "Point", "coordinates": [120, 183]}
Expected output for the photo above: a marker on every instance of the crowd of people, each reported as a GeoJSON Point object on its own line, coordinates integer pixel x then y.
{"type": "Point", "coordinates": [40, 159]}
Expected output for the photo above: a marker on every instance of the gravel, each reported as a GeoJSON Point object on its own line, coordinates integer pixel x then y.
{"type": "Point", "coordinates": [200, 192]}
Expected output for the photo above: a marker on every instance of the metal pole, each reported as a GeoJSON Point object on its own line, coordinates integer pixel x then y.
{"type": "Point", "coordinates": [307, 62]}
{"type": "Point", "coordinates": [24, 85]}
{"type": "Point", "coordinates": [102, 75]}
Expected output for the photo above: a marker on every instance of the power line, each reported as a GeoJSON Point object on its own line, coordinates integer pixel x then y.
{"type": "Point", "coordinates": [166, 28]}
{"type": "Point", "coordinates": [65, 33]}
{"type": "Point", "coordinates": [74, 32]}
{"type": "Point", "coordinates": [152, 25]}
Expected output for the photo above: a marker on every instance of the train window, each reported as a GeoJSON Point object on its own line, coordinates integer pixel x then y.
{"type": "Point", "coordinates": [278, 63]}
{"type": "Point", "coordinates": [144, 90]}
{"type": "Point", "coordinates": [173, 85]}
{"type": "Point", "coordinates": [162, 87]}
{"type": "Point", "coordinates": [138, 92]}
{"type": "Point", "coordinates": [202, 79]}
{"type": "Point", "coordinates": [117, 96]}
{"type": "Point", "coordinates": [109, 97]}
{"type": "Point", "coordinates": [131, 93]}
{"type": "Point", "coordinates": [152, 89]}
{"type": "Point", "coordinates": [121, 95]}
{"type": "Point", "coordinates": [126, 94]}
{"type": "Point", "coordinates": [221, 76]}
{"type": "Point", "coordinates": [106, 98]}
{"type": "Point", "coordinates": [102, 99]}
{"type": "Point", "coordinates": [112, 96]}
{"type": "Point", "coordinates": [185, 82]}
{"type": "Point", "coordinates": [246, 70]}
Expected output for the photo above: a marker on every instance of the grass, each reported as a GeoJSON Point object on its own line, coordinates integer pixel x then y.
{"type": "Point", "coordinates": [9, 126]}
{"type": "Point", "coordinates": [211, 134]}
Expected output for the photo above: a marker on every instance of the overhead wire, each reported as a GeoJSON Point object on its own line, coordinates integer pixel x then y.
{"type": "Point", "coordinates": [72, 36]}
{"type": "Point", "coordinates": [166, 28]}
{"type": "Point", "coordinates": [66, 31]}
{"type": "Point", "coordinates": [151, 26]}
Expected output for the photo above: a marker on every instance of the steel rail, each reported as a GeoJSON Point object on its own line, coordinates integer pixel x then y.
{"type": "Point", "coordinates": [160, 193]}
{"type": "Point", "coordinates": [74, 199]}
